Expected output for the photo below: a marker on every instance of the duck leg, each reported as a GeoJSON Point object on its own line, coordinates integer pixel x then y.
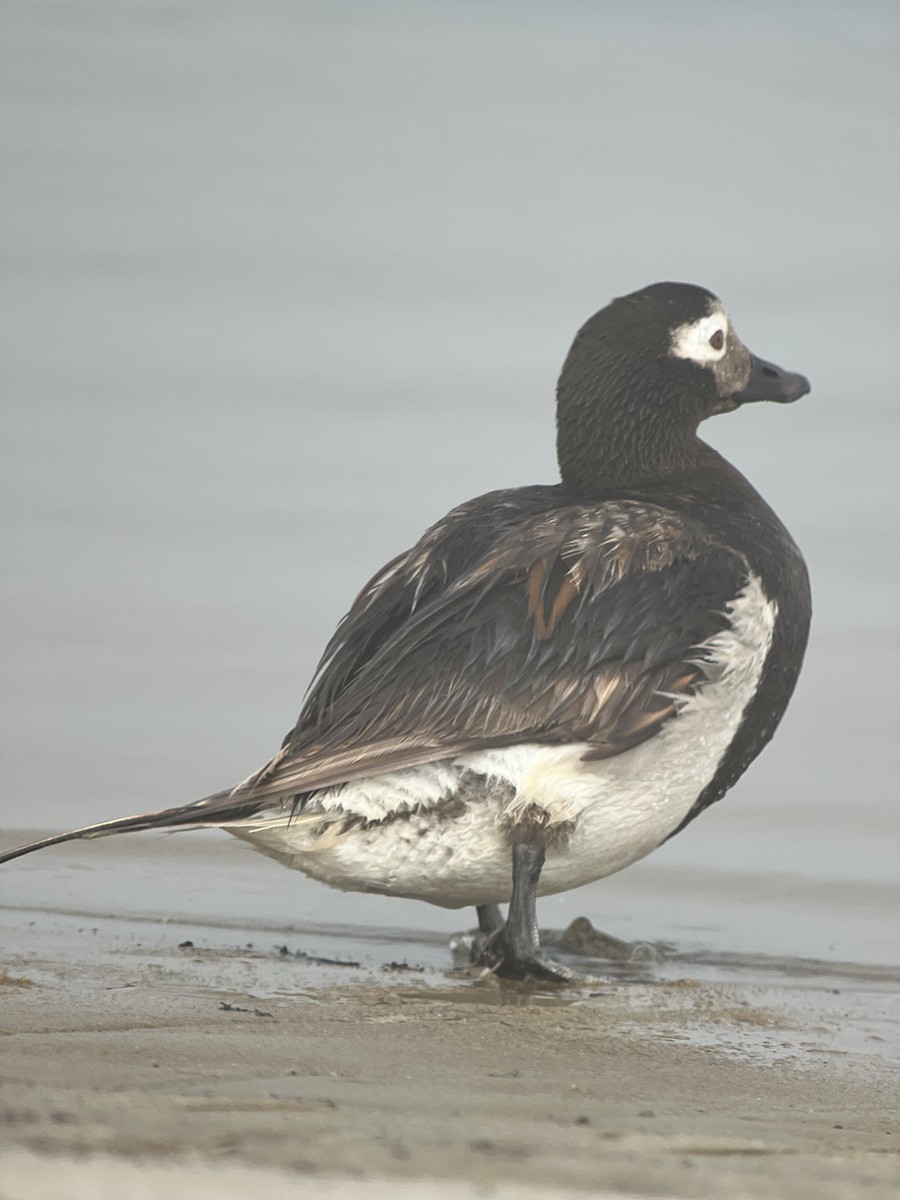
{"type": "Point", "coordinates": [490, 918]}
{"type": "Point", "coordinates": [514, 950]}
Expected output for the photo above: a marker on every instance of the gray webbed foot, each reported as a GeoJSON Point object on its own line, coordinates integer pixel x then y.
{"type": "Point", "coordinates": [490, 920]}
{"type": "Point", "coordinates": [512, 950]}
{"type": "Point", "coordinates": [501, 954]}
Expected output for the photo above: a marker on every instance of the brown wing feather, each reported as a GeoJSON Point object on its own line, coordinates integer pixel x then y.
{"type": "Point", "coordinates": [516, 618]}
{"type": "Point", "coordinates": [550, 632]}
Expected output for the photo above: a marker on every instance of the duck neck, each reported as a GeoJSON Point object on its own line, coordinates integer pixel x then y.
{"type": "Point", "coordinates": [608, 439]}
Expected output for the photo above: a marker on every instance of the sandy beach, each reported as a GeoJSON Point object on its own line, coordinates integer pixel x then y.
{"type": "Point", "coordinates": [204, 1050]}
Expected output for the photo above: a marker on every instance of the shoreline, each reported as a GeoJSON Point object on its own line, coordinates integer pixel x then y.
{"type": "Point", "coordinates": [194, 1049]}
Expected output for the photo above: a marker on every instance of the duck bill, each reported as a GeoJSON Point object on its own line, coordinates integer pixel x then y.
{"type": "Point", "coordinates": [769, 382]}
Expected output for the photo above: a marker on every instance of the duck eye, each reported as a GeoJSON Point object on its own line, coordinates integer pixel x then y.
{"type": "Point", "coordinates": [717, 341]}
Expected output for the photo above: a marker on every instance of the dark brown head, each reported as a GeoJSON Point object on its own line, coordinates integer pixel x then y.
{"type": "Point", "coordinates": [640, 377]}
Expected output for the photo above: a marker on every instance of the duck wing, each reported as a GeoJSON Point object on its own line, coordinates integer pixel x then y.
{"type": "Point", "coordinates": [514, 619]}
{"type": "Point", "coordinates": [517, 618]}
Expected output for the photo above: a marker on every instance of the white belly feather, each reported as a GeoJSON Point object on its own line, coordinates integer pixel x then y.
{"type": "Point", "coordinates": [615, 811]}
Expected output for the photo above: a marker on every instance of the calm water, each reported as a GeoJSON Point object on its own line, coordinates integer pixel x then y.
{"type": "Point", "coordinates": [283, 282]}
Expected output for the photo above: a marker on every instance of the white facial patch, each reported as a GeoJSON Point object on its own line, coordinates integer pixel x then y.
{"type": "Point", "coordinates": [704, 341]}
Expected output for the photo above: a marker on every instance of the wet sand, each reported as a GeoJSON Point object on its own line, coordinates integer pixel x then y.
{"type": "Point", "coordinates": [204, 1049]}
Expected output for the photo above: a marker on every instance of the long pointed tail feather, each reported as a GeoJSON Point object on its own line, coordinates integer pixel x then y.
{"type": "Point", "coordinates": [218, 809]}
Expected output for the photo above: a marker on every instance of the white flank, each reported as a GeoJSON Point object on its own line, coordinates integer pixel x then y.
{"type": "Point", "coordinates": [610, 813]}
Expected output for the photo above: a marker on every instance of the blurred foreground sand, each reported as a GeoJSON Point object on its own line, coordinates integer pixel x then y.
{"type": "Point", "coordinates": [146, 1057]}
